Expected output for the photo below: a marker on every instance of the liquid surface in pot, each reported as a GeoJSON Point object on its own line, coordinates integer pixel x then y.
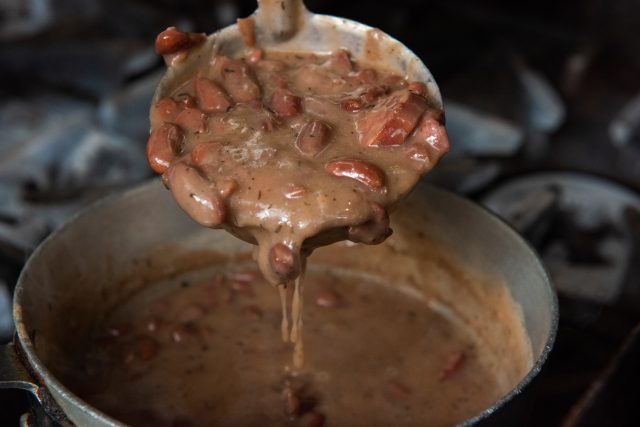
{"type": "Point", "coordinates": [200, 350]}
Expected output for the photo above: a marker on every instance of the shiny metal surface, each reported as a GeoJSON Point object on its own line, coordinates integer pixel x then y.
{"type": "Point", "coordinates": [72, 277]}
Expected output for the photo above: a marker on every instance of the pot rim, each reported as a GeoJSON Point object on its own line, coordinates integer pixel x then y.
{"type": "Point", "coordinates": [49, 381]}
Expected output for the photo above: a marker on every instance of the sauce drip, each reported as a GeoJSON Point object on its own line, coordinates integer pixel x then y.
{"type": "Point", "coordinates": [292, 151]}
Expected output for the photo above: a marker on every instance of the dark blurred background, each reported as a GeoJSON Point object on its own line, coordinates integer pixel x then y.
{"type": "Point", "coordinates": [543, 110]}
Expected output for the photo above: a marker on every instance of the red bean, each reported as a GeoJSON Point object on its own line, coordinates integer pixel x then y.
{"type": "Point", "coordinates": [197, 196]}
{"type": "Point", "coordinates": [212, 98]}
{"type": "Point", "coordinates": [363, 172]}
{"type": "Point", "coordinates": [372, 93]}
{"type": "Point", "coordinates": [246, 276]}
{"type": "Point", "coordinates": [255, 56]}
{"type": "Point", "coordinates": [431, 132]}
{"type": "Point", "coordinates": [398, 391]}
{"type": "Point", "coordinates": [314, 419]}
{"type": "Point", "coordinates": [242, 287]}
{"type": "Point", "coordinates": [146, 348]}
{"type": "Point", "coordinates": [152, 325]}
{"type": "Point", "coordinates": [166, 109]}
{"type": "Point", "coordinates": [284, 104]}
{"type": "Point", "coordinates": [191, 313]}
{"type": "Point", "coordinates": [163, 146]}
{"type": "Point", "coordinates": [186, 101]}
{"type": "Point", "coordinates": [340, 62]}
{"type": "Point", "coordinates": [313, 138]}
{"type": "Point", "coordinates": [206, 154]}
{"type": "Point", "coordinates": [373, 231]}
{"type": "Point", "coordinates": [283, 261]}
{"type": "Point", "coordinates": [252, 313]}
{"type": "Point", "coordinates": [247, 27]}
{"type": "Point", "coordinates": [352, 104]}
{"type": "Point", "coordinates": [365, 76]}
{"type": "Point", "coordinates": [237, 79]}
{"type": "Point", "coordinates": [173, 40]}
{"type": "Point", "coordinates": [392, 120]}
{"type": "Point", "coordinates": [452, 365]}
{"type": "Point", "coordinates": [226, 187]}
{"type": "Point", "coordinates": [183, 332]}
{"type": "Point", "coordinates": [418, 88]}
{"type": "Point", "coordinates": [327, 298]}
{"type": "Point", "coordinates": [294, 191]}
{"type": "Point", "coordinates": [192, 120]}
{"type": "Point", "coordinates": [119, 330]}
{"type": "Point", "coordinates": [292, 403]}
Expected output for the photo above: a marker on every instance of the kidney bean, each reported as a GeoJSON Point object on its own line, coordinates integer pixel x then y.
{"type": "Point", "coordinates": [252, 313]}
{"type": "Point", "coordinates": [397, 391]}
{"type": "Point", "coordinates": [313, 138]}
{"type": "Point", "coordinates": [392, 119]}
{"type": "Point", "coordinates": [327, 298]}
{"type": "Point", "coordinates": [119, 330]}
{"type": "Point", "coordinates": [452, 365]}
{"type": "Point", "coordinates": [375, 230]}
{"type": "Point", "coordinates": [173, 40]}
{"type": "Point", "coordinates": [255, 56]}
{"type": "Point", "coordinates": [317, 80]}
{"type": "Point", "coordinates": [395, 82]}
{"type": "Point", "coordinates": [364, 172]}
{"type": "Point", "coordinates": [284, 104]}
{"type": "Point", "coordinates": [146, 348]}
{"type": "Point", "coordinates": [197, 196]}
{"type": "Point", "coordinates": [246, 276]}
{"type": "Point", "coordinates": [418, 88]}
{"type": "Point", "coordinates": [206, 154]}
{"type": "Point", "coordinates": [372, 93]}
{"type": "Point", "coordinates": [163, 146]}
{"type": "Point", "coordinates": [166, 109]}
{"type": "Point", "coordinates": [212, 98]}
{"type": "Point", "coordinates": [283, 261]}
{"type": "Point", "coordinates": [247, 28]}
{"type": "Point", "coordinates": [127, 354]}
{"type": "Point", "coordinates": [292, 403]}
{"type": "Point", "coordinates": [419, 153]}
{"type": "Point", "coordinates": [294, 191]}
{"type": "Point", "coordinates": [314, 419]}
{"type": "Point", "coordinates": [186, 101]}
{"type": "Point", "coordinates": [340, 62]}
{"type": "Point", "coordinates": [153, 324]}
{"type": "Point", "coordinates": [192, 120]}
{"type": "Point", "coordinates": [191, 313]}
{"type": "Point", "coordinates": [183, 332]}
{"type": "Point", "coordinates": [242, 287]}
{"type": "Point", "coordinates": [431, 132]}
{"type": "Point", "coordinates": [364, 76]}
{"type": "Point", "coordinates": [352, 104]}
{"type": "Point", "coordinates": [237, 79]}
{"type": "Point", "coordinates": [226, 187]}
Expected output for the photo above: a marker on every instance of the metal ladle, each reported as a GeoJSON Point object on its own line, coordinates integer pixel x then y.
{"type": "Point", "coordinates": [287, 25]}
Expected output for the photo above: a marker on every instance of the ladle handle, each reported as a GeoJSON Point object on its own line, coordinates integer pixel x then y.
{"type": "Point", "coordinates": [280, 19]}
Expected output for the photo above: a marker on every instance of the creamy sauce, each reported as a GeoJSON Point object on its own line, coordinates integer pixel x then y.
{"type": "Point", "coordinates": [292, 151]}
{"type": "Point", "coordinates": [199, 350]}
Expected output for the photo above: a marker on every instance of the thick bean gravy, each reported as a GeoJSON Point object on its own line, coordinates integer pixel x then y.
{"type": "Point", "coordinates": [199, 350]}
{"type": "Point", "coordinates": [292, 150]}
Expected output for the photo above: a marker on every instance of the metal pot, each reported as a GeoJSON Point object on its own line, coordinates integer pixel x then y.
{"type": "Point", "coordinates": [74, 277]}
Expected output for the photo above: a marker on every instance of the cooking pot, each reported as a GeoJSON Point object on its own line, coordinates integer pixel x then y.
{"type": "Point", "coordinates": [84, 268]}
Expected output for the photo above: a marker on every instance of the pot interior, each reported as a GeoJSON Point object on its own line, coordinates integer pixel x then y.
{"type": "Point", "coordinates": [466, 265]}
